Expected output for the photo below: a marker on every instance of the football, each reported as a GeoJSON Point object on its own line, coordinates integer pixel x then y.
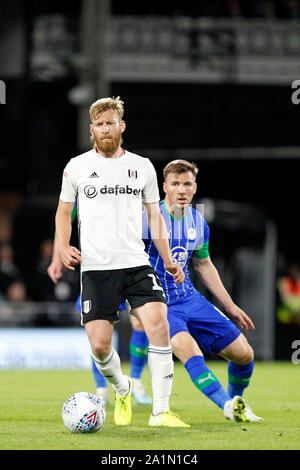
{"type": "Point", "coordinates": [83, 412]}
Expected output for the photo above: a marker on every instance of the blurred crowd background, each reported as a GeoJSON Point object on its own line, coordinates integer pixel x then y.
{"type": "Point", "coordinates": [209, 82]}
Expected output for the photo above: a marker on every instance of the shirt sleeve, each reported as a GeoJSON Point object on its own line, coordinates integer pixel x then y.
{"type": "Point", "coordinates": [151, 191]}
{"type": "Point", "coordinates": [202, 251]}
{"type": "Point", "coordinates": [69, 187]}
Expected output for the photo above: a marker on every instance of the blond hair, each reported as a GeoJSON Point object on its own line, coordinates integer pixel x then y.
{"type": "Point", "coordinates": [179, 167]}
{"type": "Point", "coordinates": [103, 104]}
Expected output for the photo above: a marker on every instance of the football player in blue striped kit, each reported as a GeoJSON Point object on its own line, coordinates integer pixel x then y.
{"type": "Point", "coordinates": [196, 325]}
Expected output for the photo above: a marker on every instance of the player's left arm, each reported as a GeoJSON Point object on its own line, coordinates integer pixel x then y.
{"type": "Point", "coordinates": [159, 235]}
{"type": "Point", "coordinates": [210, 277]}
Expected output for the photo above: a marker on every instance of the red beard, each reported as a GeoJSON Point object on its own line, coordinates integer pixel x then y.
{"type": "Point", "coordinates": [108, 145]}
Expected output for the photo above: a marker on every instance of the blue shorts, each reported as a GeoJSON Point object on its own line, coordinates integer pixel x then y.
{"type": "Point", "coordinates": [210, 328]}
{"type": "Point", "coordinates": [78, 305]}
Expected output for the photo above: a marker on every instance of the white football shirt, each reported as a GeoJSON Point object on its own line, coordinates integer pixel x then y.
{"type": "Point", "coordinates": [109, 194]}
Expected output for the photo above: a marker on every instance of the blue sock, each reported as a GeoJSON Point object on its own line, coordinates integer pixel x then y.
{"type": "Point", "coordinates": [99, 379]}
{"type": "Point", "coordinates": [138, 353]}
{"type": "Point", "coordinates": [206, 381]}
{"type": "Point", "coordinates": [238, 378]}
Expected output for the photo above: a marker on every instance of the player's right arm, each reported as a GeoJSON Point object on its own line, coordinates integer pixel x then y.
{"type": "Point", "coordinates": [70, 255]}
{"type": "Point", "coordinates": [55, 269]}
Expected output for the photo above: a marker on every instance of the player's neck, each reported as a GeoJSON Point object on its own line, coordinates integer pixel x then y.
{"type": "Point", "coordinates": [118, 153]}
{"type": "Point", "coordinates": [175, 211]}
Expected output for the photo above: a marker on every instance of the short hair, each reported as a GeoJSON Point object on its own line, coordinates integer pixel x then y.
{"type": "Point", "coordinates": [103, 104]}
{"type": "Point", "coordinates": [179, 167]}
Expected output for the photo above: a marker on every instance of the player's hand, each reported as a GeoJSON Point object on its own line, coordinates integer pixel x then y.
{"type": "Point", "coordinates": [176, 271]}
{"type": "Point", "coordinates": [240, 318]}
{"type": "Point", "coordinates": [70, 257]}
{"type": "Point", "coordinates": [55, 271]}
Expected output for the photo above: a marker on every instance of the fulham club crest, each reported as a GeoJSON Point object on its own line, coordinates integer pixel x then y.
{"type": "Point", "coordinates": [132, 174]}
{"type": "Point", "coordinates": [87, 304]}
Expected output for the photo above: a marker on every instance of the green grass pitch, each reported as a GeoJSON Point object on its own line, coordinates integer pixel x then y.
{"type": "Point", "coordinates": [31, 403]}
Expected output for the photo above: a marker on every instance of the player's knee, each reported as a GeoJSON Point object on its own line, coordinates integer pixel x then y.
{"type": "Point", "coordinates": [101, 349]}
{"type": "Point", "coordinates": [246, 355]}
{"type": "Point", "coordinates": [163, 326]}
{"type": "Point", "coordinates": [159, 331]}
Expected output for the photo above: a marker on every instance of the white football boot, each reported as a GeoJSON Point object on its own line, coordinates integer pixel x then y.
{"type": "Point", "coordinates": [234, 410]}
{"type": "Point", "coordinates": [251, 416]}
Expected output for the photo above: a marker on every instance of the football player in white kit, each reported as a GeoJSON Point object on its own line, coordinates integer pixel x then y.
{"type": "Point", "coordinates": [111, 185]}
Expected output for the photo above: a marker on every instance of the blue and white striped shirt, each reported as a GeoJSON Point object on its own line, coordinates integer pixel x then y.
{"type": "Point", "coordinates": [188, 237]}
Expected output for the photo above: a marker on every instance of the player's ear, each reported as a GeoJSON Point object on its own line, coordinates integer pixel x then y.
{"type": "Point", "coordinates": [123, 126]}
{"type": "Point", "coordinates": [195, 188]}
{"type": "Point", "coordinates": [91, 129]}
{"type": "Point", "coordinates": [165, 187]}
